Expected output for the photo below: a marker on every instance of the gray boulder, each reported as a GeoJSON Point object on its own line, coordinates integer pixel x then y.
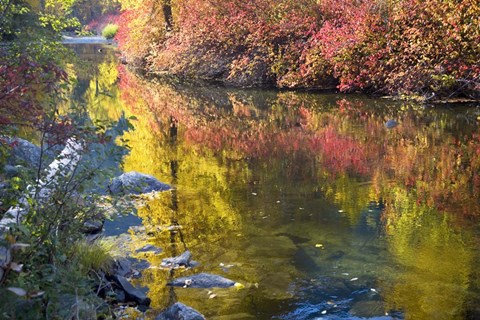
{"type": "Point", "coordinates": [123, 267]}
{"type": "Point", "coordinates": [131, 293]}
{"type": "Point", "coordinates": [202, 280]}
{"type": "Point", "coordinates": [136, 183]}
{"type": "Point", "coordinates": [92, 226]}
{"type": "Point", "coordinates": [179, 311]}
{"type": "Point", "coordinates": [23, 152]}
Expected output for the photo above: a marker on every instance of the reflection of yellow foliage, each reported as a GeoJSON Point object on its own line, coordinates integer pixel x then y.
{"type": "Point", "coordinates": [350, 196]}
{"type": "Point", "coordinates": [435, 258]}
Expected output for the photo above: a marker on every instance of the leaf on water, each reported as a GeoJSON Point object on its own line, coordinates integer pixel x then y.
{"type": "Point", "coordinates": [18, 291]}
{"type": "Point", "coordinates": [16, 267]}
{"type": "Point", "coordinates": [324, 312]}
{"type": "Point", "coordinates": [354, 279]}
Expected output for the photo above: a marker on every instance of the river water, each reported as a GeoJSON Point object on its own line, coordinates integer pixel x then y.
{"type": "Point", "coordinates": [322, 206]}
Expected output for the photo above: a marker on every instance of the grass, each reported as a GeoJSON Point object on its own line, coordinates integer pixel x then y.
{"type": "Point", "coordinates": [94, 256]}
{"type": "Point", "coordinates": [110, 31]}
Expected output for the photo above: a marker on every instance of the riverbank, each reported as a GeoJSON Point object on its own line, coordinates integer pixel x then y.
{"type": "Point", "coordinates": [382, 49]}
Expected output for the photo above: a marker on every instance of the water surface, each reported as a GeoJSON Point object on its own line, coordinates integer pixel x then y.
{"type": "Point", "coordinates": [310, 201]}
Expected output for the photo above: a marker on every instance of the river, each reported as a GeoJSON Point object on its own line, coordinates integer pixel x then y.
{"type": "Point", "coordinates": [322, 206]}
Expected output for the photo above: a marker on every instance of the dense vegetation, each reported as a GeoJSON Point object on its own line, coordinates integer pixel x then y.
{"type": "Point", "coordinates": [52, 273]}
{"type": "Point", "coordinates": [411, 47]}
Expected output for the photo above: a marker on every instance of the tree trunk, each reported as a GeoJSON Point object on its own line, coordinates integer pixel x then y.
{"type": "Point", "coordinates": [167, 14]}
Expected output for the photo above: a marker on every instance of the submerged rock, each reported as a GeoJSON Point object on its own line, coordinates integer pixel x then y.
{"type": "Point", "coordinates": [202, 280]}
{"type": "Point", "coordinates": [183, 260]}
{"type": "Point", "coordinates": [150, 249]}
{"type": "Point", "coordinates": [390, 124]}
{"type": "Point", "coordinates": [179, 311]}
{"type": "Point", "coordinates": [136, 183]}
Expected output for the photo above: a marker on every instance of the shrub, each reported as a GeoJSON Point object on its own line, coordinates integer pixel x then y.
{"type": "Point", "coordinates": [93, 256]}
{"type": "Point", "coordinates": [110, 31]}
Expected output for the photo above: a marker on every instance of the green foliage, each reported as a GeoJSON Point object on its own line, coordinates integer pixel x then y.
{"type": "Point", "coordinates": [54, 261]}
{"type": "Point", "coordinates": [110, 31]}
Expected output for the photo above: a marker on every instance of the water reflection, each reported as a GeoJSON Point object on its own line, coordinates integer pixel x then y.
{"type": "Point", "coordinates": [311, 201]}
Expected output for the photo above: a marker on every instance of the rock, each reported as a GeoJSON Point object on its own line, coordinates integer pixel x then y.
{"type": "Point", "coordinates": [149, 248]}
{"type": "Point", "coordinates": [90, 238]}
{"type": "Point", "coordinates": [92, 226]}
{"type": "Point", "coordinates": [12, 171]}
{"type": "Point", "coordinates": [123, 267]}
{"type": "Point", "coordinates": [136, 183]}
{"type": "Point", "coordinates": [23, 152]}
{"type": "Point", "coordinates": [5, 259]}
{"type": "Point", "coordinates": [131, 293]}
{"type": "Point", "coordinates": [202, 280]}
{"type": "Point", "coordinates": [120, 295]}
{"type": "Point", "coordinates": [179, 311]}
{"type": "Point", "coordinates": [182, 260]}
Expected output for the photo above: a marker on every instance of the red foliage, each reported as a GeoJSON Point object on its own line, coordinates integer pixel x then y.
{"type": "Point", "coordinates": [98, 24]}
{"type": "Point", "coordinates": [406, 46]}
{"type": "Point", "coordinates": [22, 85]}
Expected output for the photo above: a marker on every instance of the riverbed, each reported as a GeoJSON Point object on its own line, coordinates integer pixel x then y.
{"type": "Point", "coordinates": [322, 206]}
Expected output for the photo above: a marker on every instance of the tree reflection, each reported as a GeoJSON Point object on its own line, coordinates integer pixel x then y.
{"type": "Point", "coordinates": [254, 172]}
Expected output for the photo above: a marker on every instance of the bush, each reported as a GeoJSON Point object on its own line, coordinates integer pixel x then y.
{"type": "Point", "coordinates": [93, 256]}
{"type": "Point", "coordinates": [110, 31]}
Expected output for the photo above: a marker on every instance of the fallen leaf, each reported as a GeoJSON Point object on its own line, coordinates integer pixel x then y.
{"type": "Point", "coordinates": [18, 291]}
{"type": "Point", "coordinates": [318, 245]}
{"type": "Point", "coordinates": [238, 285]}
{"type": "Point", "coordinates": [187, 283]}
{"type": "Point", "coordinates": [213, 295]}
{"type": "Point", "coordinates": [36, 294]}
{"type": "Point", "coordinates": [354, 279]}
{"type": "Point", "coordinates": [18, 246]}
{"type": "Point", "coordinates": [16, 267]}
